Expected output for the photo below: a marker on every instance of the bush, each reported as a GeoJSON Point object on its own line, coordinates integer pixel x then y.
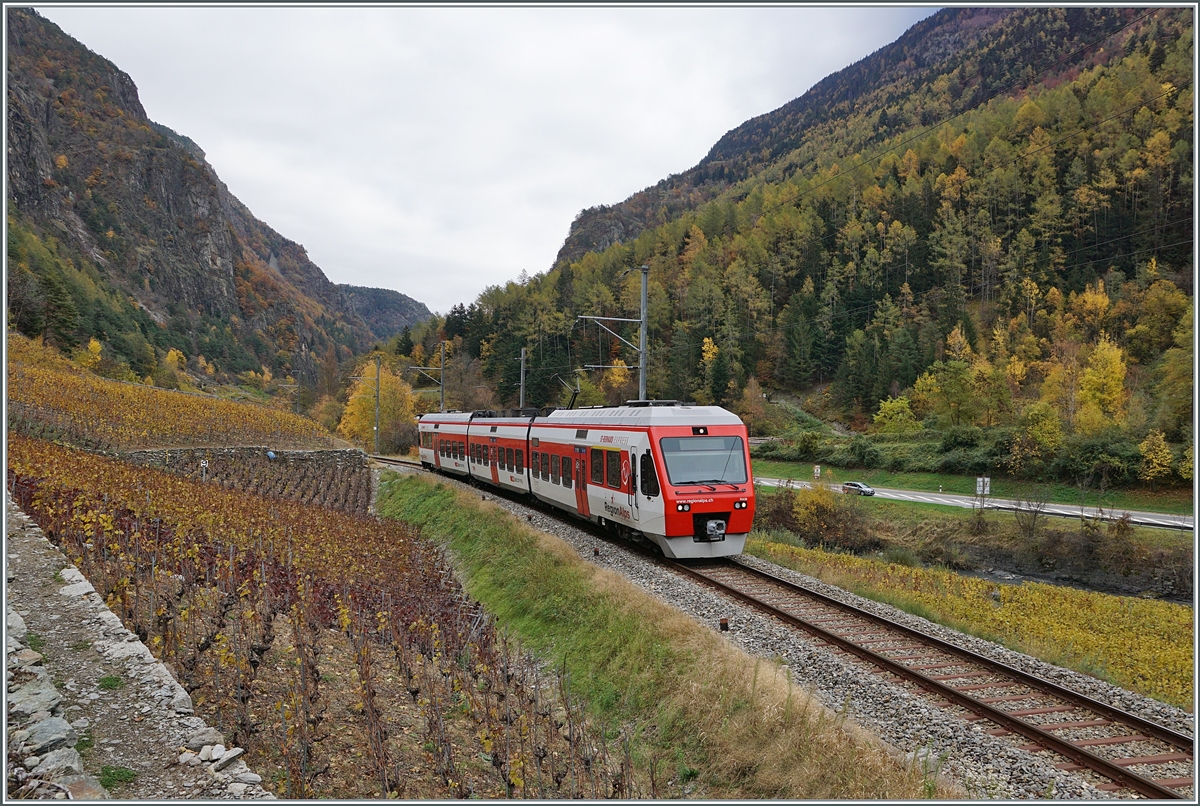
{"type": "Point", "coordinates": [777, 511]}
{"type": "Point", "coordinates": [964, 462]}
{"type": "Point", "coordinates": [1100, 461]}
{"type": "Point", "coordinates": [808, 447]}
{"type": "Point", "coordinates": [863, 453]}
{"type": "Point", "coordinates": [962, 436]}
{"type": "Point", "coordinates": [826, 518]}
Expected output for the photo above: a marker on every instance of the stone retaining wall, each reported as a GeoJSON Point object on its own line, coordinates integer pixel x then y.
{"type": "Point", "coordinates": [186, 461]}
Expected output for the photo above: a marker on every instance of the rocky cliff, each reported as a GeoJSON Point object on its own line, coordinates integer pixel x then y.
{"type": "Point", "coordinates": [109, 207]}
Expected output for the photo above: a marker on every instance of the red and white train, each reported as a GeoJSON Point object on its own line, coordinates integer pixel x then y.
{"type": "Point", "coordinates": [676, 475]}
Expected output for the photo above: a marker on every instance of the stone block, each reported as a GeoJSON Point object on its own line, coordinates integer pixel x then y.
{"type": "Point", "coordinates": [34, 696]}
{"type": "Point", "coordinates": [16, 626]}
{"type": "Point", "coordinates": [50, 734]}
{"type": "Point", "coordinates": [228, 758]}
{"type": "Point", "coordinates": [84, 787]}
{"type": "Point", "coordinates": [77, 589]}
{"type": "Point", "coordinates": [60, 763]}
{"type": "Point", "coordinates": [203, 736]}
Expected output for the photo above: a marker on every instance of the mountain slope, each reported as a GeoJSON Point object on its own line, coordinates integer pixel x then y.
{"type": "Point", "coordinates": [944, 64]}
{"type": "Point", "coordinates": [120, 230]}
{"type": "Point", "coordinates": [386, 312]}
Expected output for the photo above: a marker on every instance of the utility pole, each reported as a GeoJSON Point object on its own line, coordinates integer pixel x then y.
{"type": "Point", "coordinates": [441, 379]}
{"type": "Point", "coordinates": [378, 362]}
{"type": "Point", "coordinates": [521, 405]}
{"type": "Point", "coordinates": [644, 321]}
{"type": "Point", "coordinates": [642, 337]}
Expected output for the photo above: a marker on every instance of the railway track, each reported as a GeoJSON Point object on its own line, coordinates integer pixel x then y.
{"type": "Point", "coordinates": [1118, 752]}
{"type": "Point", "coordinates": [1114, 751]}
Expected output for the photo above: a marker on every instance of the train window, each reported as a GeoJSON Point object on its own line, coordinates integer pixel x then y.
{"type": "Point", "coordinates": [613, 462]}
{"type": "Point", "coordinates": [520, 460]}
{"type": "Point", "coordinates": [649, 476]}
{"type": "Point", "coordinates": [554, 460]}
{"type": "Point", "coordinates": [566, 471]}
{"type": "Point", "coordinates": [535, 463]}
{"type": "Point", "coordinates": [441, 448]}
{"type": "Point", "coordinates": [509, 462]}
{"type": "Point", "coordinates": [597, 466]}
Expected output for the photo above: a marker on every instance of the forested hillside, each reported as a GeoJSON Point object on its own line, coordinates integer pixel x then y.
{"type": "Point", "coordinates": [987, 224]}
{"type": "Point", "coordinates": [121, 235]}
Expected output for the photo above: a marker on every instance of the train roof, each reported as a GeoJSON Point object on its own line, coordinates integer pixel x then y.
{"type": "Point", "coordinates": [641, 414]}
{"type": "Point", "coordinates": [638, 413]}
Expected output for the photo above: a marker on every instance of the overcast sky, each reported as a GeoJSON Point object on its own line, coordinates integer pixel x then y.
{"type": "Point", "coordinates": [437, 151]}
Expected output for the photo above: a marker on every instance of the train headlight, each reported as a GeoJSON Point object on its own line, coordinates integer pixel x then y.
{"type": "Point", "coordinates": [683, 507]}
{"type": "Point", "coordinates": [741, 504]}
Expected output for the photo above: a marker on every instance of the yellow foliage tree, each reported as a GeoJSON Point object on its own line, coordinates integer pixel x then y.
{"type": "Point", "coordinates": [895, 417]}
{"type": "Point", "coordinates": [397, 425]}
{"type": "Point", "coordinates": [1156, 458]}
{"type": "Point", "coordinates": [1102, 392]}
{"type": "Point", "coordinates": [617, 383]}
{"type": "Point", "coordinates": [89, 356]}
{"type": "Point", "coordinates": [175, 359]}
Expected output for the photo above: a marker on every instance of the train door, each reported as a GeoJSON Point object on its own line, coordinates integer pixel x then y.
{"type": "Point", "coordinates": [637, 445]}
{"type": "Point", "coordinates": [437, 450]}
{"type": "Point", "coordinates": [629, 477]}
{"type": "Point", "coordinates": [581, 481]}
{"type": "Point", "coordinates": [493, 449]}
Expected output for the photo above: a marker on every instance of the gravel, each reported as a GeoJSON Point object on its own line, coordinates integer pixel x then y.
{"type": "Point", "coordinates": [986, 767]}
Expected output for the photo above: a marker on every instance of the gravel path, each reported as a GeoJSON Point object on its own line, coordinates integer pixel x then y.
{"type": "Point", "coordinates": [986, 767]}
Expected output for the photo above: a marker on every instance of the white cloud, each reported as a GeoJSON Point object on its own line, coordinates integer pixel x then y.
{"type": "Point", "coordinates": [440, 150]}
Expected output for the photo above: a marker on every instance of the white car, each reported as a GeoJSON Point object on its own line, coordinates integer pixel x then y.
{"type": "Point", "coordinates": [857, 487]}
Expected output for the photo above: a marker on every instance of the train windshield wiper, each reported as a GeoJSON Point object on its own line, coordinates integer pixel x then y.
{"type": "Point", "coordinates": [710, 482]}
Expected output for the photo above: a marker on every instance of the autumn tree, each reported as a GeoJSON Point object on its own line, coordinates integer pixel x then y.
{"type": "Point", "coordinates": [895, 417]}
{"type": "Point", "coordinates": [1102, 393]}
{"type": "Point", "coordinates": [397, 426]}
{"type": "Point", "coordinates": [1038, 440]}
{"type": "Point", "coordinates": [1187, 463]}
{"type": "Point", "coordinates": [1156, 458]}
{"type": "Point", "coordinates": [1175, 384]}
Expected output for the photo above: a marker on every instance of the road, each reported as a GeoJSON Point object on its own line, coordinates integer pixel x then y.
{"type": "Point", "coordinates": [1181, 522]}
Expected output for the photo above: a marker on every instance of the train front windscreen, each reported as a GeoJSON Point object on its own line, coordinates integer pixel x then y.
{"type": "Point", "coordinates": [704, 460]}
